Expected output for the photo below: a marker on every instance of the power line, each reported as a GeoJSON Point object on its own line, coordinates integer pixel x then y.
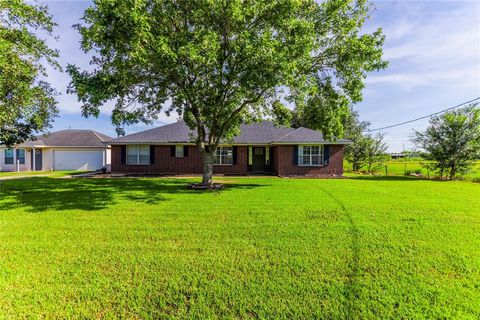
{"type": "Point", "coordinates": [424, 117]}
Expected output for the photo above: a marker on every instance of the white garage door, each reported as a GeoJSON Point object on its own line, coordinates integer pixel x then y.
{"type": "Point", "coordinates": [77, 160]}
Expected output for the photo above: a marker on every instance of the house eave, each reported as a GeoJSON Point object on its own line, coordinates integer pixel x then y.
{"type": "Point", "coordinates": [234, 144]}
{"type": "Point", "coordinates": [313, 143]}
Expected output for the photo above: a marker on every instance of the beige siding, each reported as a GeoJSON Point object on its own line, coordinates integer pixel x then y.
{"type": "Point", "coordinates": [47, 157]}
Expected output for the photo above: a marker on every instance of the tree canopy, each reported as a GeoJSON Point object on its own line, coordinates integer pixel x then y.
{"type": "Point", "coordinates": [27, 102]}
{"type": "Point", "coordinates": [452, 140]}
{"type": "Point", "coordinates": [219, 63]}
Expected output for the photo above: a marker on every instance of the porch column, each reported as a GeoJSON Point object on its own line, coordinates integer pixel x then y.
{"type": "Point", "coordinates": [33, 159]}
{"type": "Point", "coordinates": [17, 166]}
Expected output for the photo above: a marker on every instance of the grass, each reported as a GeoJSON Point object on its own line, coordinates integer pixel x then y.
{"type": "Point", "coordinates": [369, 247]}
{"type": "Point", "coordinates": [406, 166]}
{"type": "Point", "coordinates": [10, 174]}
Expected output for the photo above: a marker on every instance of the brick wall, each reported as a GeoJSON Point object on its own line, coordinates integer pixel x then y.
{"type": "Point", "coordinates": [283, 163]}
{"type": "Point", "coordinates": [166, 164]}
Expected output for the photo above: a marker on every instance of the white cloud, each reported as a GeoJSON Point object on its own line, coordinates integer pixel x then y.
{"type": "Point", "coordinates": [468, 77]}
{"type": "Point", "coordinates": [430, 45]}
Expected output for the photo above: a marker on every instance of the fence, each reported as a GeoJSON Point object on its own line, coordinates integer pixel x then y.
{"type": "Point", "coordinates": [409, 167]}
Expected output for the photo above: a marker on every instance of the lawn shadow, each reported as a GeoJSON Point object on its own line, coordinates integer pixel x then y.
{"type": "Point", "coordinates": [352, 287]}
{"type": "Point", "coordinates": [38, 194]}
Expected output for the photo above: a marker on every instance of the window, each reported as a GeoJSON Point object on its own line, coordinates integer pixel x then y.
{"type": "Point", "coordinates": [310, 155]}
{"type": "Point", "coordinates": [8, 156]}
{"type": "Point", "coordinates": [21, 156]}
{"type": "Point", "coordinates": [138, 154]}
{"type": "Point", "coordinates": [223, 155]}
{"type": "Point", "coordinates": [179, 151]}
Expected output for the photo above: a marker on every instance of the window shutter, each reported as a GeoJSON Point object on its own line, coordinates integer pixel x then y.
{"type": "Point", "coordinates": [234, 154]}
{"type": "Point", "coordinates": [17, 154]}
{"type": "Point", "coordinates": [123, 154]}
{"type": "Point", "coordinates": [185, 151]}
{"type": "Point", "coordinates": [172, 151]}
{"type": "Point", "coordinates": [326, 155]}
{"type": "Point", "coordinates": [152, 154]}
{"type": "Point", "coordinates": [295, 155]}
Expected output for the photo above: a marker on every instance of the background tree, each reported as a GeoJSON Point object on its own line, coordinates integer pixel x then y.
{"type": "Point", "coordinates": [219, 63]}
{"type": "Point", "coordinates": [355, 153]}
{"type": "Point", "coordinates": [27, 103]}
{"type": "Point", "coordinates": [375, 151]}
{"type": "Point", "coordinates": [324, 109]}
{"type": "Point", "coordinates": [282, 115]}
{"type": "Point", "coordinates": [452, 140]}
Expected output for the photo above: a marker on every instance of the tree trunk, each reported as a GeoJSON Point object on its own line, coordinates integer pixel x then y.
{"type": "Point", "coordinates": [453, 172]}
{"type": "Point", "coordinates": [355, 166]}
{"type": "Point", "coordinates": [207, 162]}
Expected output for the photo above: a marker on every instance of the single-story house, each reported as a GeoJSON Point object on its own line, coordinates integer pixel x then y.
{"type": "Point", "coordinates": [259, 148]}
{"type": "Point", "coordinates": [61, 150]}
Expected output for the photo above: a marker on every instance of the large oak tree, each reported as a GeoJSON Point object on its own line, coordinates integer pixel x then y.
{"type": "Point", "coordinates": [219, 63]}
{"type": "Point", "coordinates": [27, 101]}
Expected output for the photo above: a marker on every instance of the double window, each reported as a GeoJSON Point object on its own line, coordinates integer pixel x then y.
{"type": "Point", "coordinates": [10, 159]}
{"type": "Point", "coordinates": [310, 156]}
{"type": "Point", "coordinates": [9, 156]}
{"type": "Point", "coordinates": [138, 154]}
{"type": "Point", "coordinates": [223, 155]}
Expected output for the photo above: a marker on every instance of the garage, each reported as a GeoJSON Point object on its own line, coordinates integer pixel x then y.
{"type": "Point", "coordinates": [78, 160]}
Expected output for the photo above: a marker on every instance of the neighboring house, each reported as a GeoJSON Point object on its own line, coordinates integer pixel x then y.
{"type": "Point", "coordinates": [397, 155]}
{"type": "Point", "coordinates": [259, 148]}
{"type": "Point", "coordinates": [61, 150]}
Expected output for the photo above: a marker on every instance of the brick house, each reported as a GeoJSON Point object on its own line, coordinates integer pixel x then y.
{"type": "Point", "coordinates": [259, 148]}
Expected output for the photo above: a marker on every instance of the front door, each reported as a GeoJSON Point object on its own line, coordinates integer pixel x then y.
{"type": "Point", "coordinates": [258, 158]}
{"type": "Point", "coordinates": [38, 159]}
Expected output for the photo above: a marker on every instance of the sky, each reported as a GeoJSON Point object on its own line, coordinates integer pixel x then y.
{"type": "Point", "coordinates": [433, 49]}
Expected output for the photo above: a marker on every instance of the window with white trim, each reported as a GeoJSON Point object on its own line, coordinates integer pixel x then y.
{"type": "Point", "coordinates": [310, 156]}
{"type": "Point", "coordinates": [8, 156]}
{"type": "Point", "coordinates": [179, 151]}
{"type": "Point", "coordinates": [138, 154]}
{"type": "Point", "coordinates": [223, 155]}
{"type": "Point", "coordinates": [21, 156]}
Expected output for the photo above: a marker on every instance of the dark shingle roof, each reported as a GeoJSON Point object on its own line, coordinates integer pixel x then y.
{"type": "Point", "coordinates": [170, 133]}
{"type": "Point", "coordinates": [70, 138]}
{"type": "Point", "coordinates": [257, 133]}
{"type": "Point", "coordinates": [306, 135]}
{"type": "Point", "coordinates": [260, 133]}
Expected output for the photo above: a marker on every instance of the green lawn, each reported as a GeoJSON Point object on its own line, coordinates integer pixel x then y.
{"type": "Point", "coordinates": [407, 166]}
{"type": "Point", "coordinates": [368, 247]}
{"type": "Point", "coordinates": [10, 174]}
